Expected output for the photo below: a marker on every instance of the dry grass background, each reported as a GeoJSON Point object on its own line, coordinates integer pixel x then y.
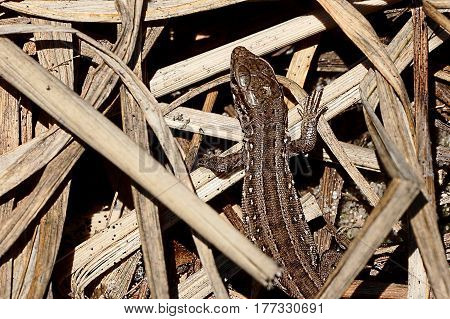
{"type": "Point", "coordinates": [142, 84]}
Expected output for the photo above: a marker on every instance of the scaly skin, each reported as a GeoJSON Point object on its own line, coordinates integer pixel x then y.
{"type": "Point", "coordinates": [272, 213]}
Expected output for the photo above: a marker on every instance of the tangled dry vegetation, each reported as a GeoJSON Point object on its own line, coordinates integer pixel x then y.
{"type": "Point", "coordinates": [105, 107]}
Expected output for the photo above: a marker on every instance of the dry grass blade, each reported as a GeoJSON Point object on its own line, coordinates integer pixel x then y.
{"type": "Point", "coordinates": [19, 164]}
{"type": "Point", "coordinates": [97, 88]}
{"type": "Point", "coordinates": [401, 50]}
{"type": "Point", "coordinates": [165, 137]}
{"type": "Point", "coordinates": [92, 268]}
{"type": "Point", "coordinates": [440, 4]}
{"type": "Point", "coordinates": [151, 35]}
{"type": "Point", "coordinates": [417, 278]}
{"type": "Point", "coordinates": [26, 160]}
{"type": "Point", "coordinates": [331, 184]}
{"type": "Point", "coordinates": [100, 84]}
{"type": "Point", "coordinates": [361, 157]}
{"type": "Point", "coordinates": [114, 242]}
{"type": "Point", "coordinates": [391, 113]}
{"type": "Point", "coordinates": [393, 159]}
{"type": "Point", "coordinates": [147, 212]}
{"type": "Point", "coordinates": [209, 263]}
{"type": "Point", "coordinates": [49, 239]}
{"type": "Point", "coordinates": [359, 30]}
{"type": "Point", "coordinates": [363, 289]}
{"type": "Point", "coordinates": [194, 92]}
{"type": "Point", "coordinates": [10, 131]}
{"type": "Point", "coordinates": [48, 93]}
{"type": "Point", "coordinates": [434, 14]}
{"type": "Point", "coordinates": [443, 74]}
{"type": "Point", "coordinates": [344, 91]}
{"type": "Point", "coordinates": [300, 63]}
{"type": "Point", "coordinates": [105, 11]}
{"type": "Point", "coordinates": [194, 144]}
{"type": "Point", "coordinates": [44, 248]}
{"type": "Point", "coordinates": [102, 77]}
{"type": "Point", "coordinates": [155, 119]}
{"type": "Point", "coordinates": [442, 92]}
{"type": "Point", "coordinates": [424, 222]}
{"type": "Point", "coordinates": [326, 133]}
{"type": "Point", "coordinates": [34, 257]}
{"type": "Point", "coordinates": [62, 164]}
{"type": "Point", "coordinates": [28, 209]}
{"type": "Point", "coordinates": [402, 177]}
{"type": "Point", "coordinates": [399, 195]}
{"type": "Point", "coordinates": [442, 125]}
{"type": "Point", "coordinates": [197, 285]}
{"type": "Point", "coordinates": [192, 70]}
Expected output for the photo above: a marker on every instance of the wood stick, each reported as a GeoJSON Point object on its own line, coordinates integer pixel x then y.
{"type": "Point", "coordinates": [29, 77]}
{"type": "Point", "coordinates": [189, 71]}
{"type": "Point", "coordinates": [418, 287]}
{"type": "Point", "coordinates": [105, 11]}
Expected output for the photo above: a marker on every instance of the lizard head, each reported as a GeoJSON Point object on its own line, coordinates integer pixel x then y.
{"type": "Point", "coordinates": [253, 82]}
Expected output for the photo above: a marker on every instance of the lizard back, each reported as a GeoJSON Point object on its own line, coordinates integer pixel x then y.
{"type": "Point", "coordinates": [273, 215]}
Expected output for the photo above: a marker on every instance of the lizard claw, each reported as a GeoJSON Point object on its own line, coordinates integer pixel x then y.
{"type": "Point", "coordinates": [309, 113]}
{"type": "Point", "coordinates": [206, 159]}
{"type": "Point", "coordinates": [221, 164]}
{"type": "Point", "coordinates": [311, 108]}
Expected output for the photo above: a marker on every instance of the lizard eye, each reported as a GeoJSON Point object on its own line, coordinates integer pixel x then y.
{"type": "Point", "coordinates": [243, 76]}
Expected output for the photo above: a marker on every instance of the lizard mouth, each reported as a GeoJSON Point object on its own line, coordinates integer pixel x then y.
{"type": "Point", "coordinates": [241, 52]}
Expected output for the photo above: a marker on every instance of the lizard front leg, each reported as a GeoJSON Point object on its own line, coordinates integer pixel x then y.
{"type": "Point", "coordinates": [222, 164]}
{"type": "Point", "coordinates": [309, 113]}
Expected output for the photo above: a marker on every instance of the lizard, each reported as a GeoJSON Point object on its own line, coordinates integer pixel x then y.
{"type": "Point", "coordinates": [272, 214]}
